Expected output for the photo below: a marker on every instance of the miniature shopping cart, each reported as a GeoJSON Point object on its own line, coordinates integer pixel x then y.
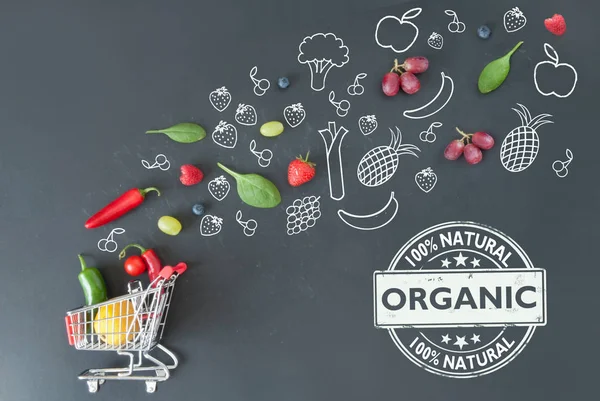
{"type": "Point", "coordinates": [132, 325]}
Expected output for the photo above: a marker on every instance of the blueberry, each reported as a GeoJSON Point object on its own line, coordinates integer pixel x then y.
{"type": "Point", "coordinates": [283, 82]}
{"type": "Point", "coordinates": [198, 209]}
{"type": "Point", "coordinates": [484, 32]}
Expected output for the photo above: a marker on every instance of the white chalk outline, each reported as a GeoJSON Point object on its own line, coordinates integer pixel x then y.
{"type": "Point", "coordinates": [164, 164]}
{"type": "Point", "coordinates": [515, 11]}
{"type": "Point", "coordinates": [215, 220]}
{"type": "Point", "coordinates": [219, 129]}
{"type": "Point", "coordinates": [563, 165]}
{"type": "Point", "coordinates": [368, 118]}
{"type": "Point", "coordinates": [435, 36]}
{"type": "Point", "coordinates": [430, 133]}
{"type": "Point", "coordinates": [356, 89]}
{"type": "Point", "coordinates": [554, 60]}
{"type": "Point", "coordinates": [335, 134]}
{"type": "Point", "coordinates": [243, 108]}
{"type": "Point", "coordinates": [220, 180]}
{"type": "Point", "coordinates": [524, 150]}
{"type": "Point", "coordinates": [455, 21]}
{"type": "Point", "coordinates": [346, 217]}
{"type": "Point", "coordinates": [340, 110]}
{"type": "Point", "coordinates": [263, 160]}
{"type": "Point", "coordinates": [258, 83]}
{"type": "Point", "coordinates": [371, 161]}
{"type": "Point", "coordinates": [222, 91]}
{"type": "Point", "coordinates": [406, 17]}
{"type": "Point", "coordinates": [110, 240]}
{"type": "Point", "coordinates": [426, 172]}
{"type": "Point", "coordinates": [313, 210]}
{"type": "Point", "coordinates": [409, 113]}
{"type": "Point", "coordinates": [322, 66]}
{"type": "Point", "coordinates": [294, 108]}
{"type": "Point", "coordinates": [246, 224]}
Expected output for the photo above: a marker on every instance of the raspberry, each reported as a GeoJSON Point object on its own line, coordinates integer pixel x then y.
{"type": "Point", "coordinates": [190, 175]}
{"type": "Point", "coordinates": [556, 24]}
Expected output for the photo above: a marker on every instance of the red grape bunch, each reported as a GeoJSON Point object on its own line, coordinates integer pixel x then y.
{"type": "Point", "coordinates": [469, 144]}
{"type": "Point", "coordinates": [402, 76]}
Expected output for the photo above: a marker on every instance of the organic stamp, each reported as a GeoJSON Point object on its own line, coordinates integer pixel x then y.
{"type": "Point", "coordinates": [460, 299]}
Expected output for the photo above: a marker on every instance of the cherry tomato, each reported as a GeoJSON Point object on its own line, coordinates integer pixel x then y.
{"type": "Point", "coordinates": [135, 265]}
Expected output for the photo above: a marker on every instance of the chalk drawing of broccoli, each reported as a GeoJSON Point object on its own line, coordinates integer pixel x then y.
{"type": "Point", "coordinates": [322, 52]}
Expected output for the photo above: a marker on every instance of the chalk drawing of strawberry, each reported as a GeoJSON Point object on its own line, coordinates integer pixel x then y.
{"type": "Point", "coordinates": [210, 225]}
{"type": "Point", "coordinates": [220, 98]}
{"type": "Point", "coordinates": [245, 114]}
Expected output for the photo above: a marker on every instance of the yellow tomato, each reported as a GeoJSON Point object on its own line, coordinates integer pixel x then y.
{"type": "Point", "coordinates": [116, 324]}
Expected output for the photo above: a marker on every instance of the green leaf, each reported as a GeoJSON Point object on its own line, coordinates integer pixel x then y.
{"type": "Point", "coordinates": [496, 72]}
{"type": "Point", "coordinates": [182, 132]}
{"type": "Point", "coordinates": [255, 190]}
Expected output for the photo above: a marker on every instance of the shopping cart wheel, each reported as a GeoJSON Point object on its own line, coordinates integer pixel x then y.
{"type": "Point", "coordinates": [150, 386]}
{"type": "Point", "coordinates": [93, 385]}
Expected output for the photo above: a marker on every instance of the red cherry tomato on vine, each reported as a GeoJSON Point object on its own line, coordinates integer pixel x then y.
{"type": "Point", "coordinates": [135, 265]}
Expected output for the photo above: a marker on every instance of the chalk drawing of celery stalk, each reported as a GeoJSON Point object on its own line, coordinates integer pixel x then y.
{"type": "Point", "coordinates": [333, 137]}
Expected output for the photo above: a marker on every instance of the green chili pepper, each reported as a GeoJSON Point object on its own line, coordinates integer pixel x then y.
{"type": "Point", "coordinates": [92, 283]}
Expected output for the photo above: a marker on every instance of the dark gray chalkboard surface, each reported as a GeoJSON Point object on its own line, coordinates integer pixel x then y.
{"type": "Point", "coordinates": [272, 316]}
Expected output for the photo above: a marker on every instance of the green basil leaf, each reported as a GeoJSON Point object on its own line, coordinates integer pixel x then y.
{"type": "Point", "coordinates": [182, 133]}
{"type": "Point", "coordinates": [494, 74]}
{"type": "Point", "coordinates": [255, 190]}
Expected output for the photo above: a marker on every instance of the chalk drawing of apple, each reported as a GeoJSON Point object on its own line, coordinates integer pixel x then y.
{"type": "Point", "coordinates": [409, 31]}
{"type": "Point", "coordinates": [554, 64]}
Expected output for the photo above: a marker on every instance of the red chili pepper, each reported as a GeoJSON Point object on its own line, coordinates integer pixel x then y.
{"type": "Point", "coordinates": [150, 257]}
{"type": "Point", "coordinates": [117, 208]}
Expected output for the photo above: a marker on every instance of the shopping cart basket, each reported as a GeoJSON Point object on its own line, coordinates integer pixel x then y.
{"type": "Point", "coordinates": [131, 325]}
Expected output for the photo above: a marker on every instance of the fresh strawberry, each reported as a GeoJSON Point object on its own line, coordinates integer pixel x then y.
{"type": "Point", "coordinates": [367, 124]}
{"type": "Point", "coordinates": [245, 114]}
{"type": "Point", "coordinates": [190, 175]}
{"type": "Point", "coordinates": [556, 24]}
{"type": "Point", "coordinates": [220, 98]}
{"type": "Point", "coordinates": [300, 171]}
{"type": "Point", "coordinates": [294, 114]}
{"type": "Point", "coordinates": [210, 225]}
{"type": "Point", "coordinates": [225, 135]}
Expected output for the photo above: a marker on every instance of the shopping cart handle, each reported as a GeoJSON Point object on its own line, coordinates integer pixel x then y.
{"type": "Point", "coordinates": [167, 271]}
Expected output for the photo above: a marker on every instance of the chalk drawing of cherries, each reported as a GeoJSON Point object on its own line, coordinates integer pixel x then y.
{"type": "Point", "coordinates": [455, 26]}
{"type": "Point", "coordinates": [555, 64]}
{"type": "Point", "coordinates": [409, 30]}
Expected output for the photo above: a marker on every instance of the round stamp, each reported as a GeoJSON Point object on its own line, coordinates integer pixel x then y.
{"type": "Point", "coordinates": [460, 299]}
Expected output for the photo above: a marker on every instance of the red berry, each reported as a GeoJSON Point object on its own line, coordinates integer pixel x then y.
{"type": "Point", "coordinates": [556, 24]}
{"type": "Point", "coordinates": [454, 149]}
{"type": "Point", "coordinates": [483, 140]}
{"type": "Point", "coordinates": [473, 154]}
{"type": "Point", "coordinates": [390, 84]}
{"type": "Point", "coordinates": [410, 83]}
{"type": "Point", "coordinates": [416, 65]}
{"type": "Point", "coordinates": [300, 171]}
{"type": "Point", "coordinates": [190, 175]}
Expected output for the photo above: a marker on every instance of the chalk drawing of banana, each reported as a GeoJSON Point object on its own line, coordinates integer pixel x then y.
{"type": "Point", "coordinates": [373, 221]}
{"type": "Point", "coordinates": [437, 103]}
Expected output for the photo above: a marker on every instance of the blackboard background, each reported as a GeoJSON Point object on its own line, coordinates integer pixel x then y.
{"type": "Point", "coordinates": [274, 317]}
